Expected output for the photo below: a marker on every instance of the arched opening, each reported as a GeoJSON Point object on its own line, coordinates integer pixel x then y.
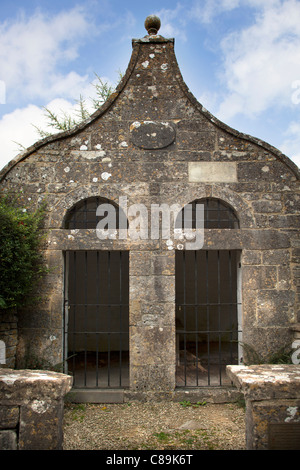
{"type": "Point", "coordinates": [83, 215]}
{"type": "Point", "coordinates": [217, 214]}
{"type": "Point", "coordinates": [208, 303]}
{"type": "Point", "coordinates": [96, 307]}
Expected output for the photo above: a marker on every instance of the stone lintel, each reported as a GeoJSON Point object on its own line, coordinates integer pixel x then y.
{"type": "Point", "coordinates": [234, 239]}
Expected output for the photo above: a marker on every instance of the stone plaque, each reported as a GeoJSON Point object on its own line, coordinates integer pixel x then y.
{"type": "Point", "coordinates": [284, 436]}
{"type": "Point", "coordinates": [152, 134]}
{"type": "Point", "coordinates": [212, 172]}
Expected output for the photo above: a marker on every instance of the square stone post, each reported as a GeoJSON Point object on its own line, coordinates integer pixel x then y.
{"type": "Point", "coordinates": [31, 409]}
{"type": "Point", "coordinates": [272, 394]}
{"type": "Point", "coordinates": [152, 321]}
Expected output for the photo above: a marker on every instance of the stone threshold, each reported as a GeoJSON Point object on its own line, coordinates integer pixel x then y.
{"type": "Point", "coordinates": [227, 394]}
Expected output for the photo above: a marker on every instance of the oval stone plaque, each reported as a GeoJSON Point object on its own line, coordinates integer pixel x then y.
{"type": "Point", "coordinates": [152, 134]}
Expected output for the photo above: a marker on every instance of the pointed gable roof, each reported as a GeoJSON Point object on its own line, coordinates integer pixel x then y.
{"type": "Point", "coordinates": [153, 65]}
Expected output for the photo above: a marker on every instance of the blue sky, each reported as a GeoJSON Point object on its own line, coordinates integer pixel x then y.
{"type": "Point", "coordinates": [240, 59]}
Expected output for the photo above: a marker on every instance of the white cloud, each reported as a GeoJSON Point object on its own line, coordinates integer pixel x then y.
{"type": "Point", "coordinates": [291, 143]}
{"type": "Point", "coordinates": [33, 53]}
{"type": "Point", "coordinates": [32, 49]}
{"type": "Point", "coordinates": [18, 127]}
{"type": "Point", "coordinates": [206, 11]}
{"type": "Point", "coordinates": [262, 61]}
{"type": "Point", "coordinates": [260, 73]}
{"type": "Point", "coordinates": [172, 22]}
{"type": "Point", "coordinates": [19, 131]}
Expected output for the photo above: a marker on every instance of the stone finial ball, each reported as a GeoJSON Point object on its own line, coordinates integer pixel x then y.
{"type": "Point", "coordinates": [152, 24]}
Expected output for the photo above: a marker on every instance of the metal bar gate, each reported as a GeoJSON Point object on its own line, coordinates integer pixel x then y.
{"type": "Point", "coordinates": [96, 318]}
{"type": "Point", "coordinates": [207, 316]}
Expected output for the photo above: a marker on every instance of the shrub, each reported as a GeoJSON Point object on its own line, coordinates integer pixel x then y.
{"type": "Point", "coordinates": [21, 261]}
{"type": "Point", "coordinates": [281, 356]}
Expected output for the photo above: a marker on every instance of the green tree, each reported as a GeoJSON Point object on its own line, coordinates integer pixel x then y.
{"type": "Point", "coordinates": [21, 260]}
{"type": "Point", "coordinates": [65, 122]}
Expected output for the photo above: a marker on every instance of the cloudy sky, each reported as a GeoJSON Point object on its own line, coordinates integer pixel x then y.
{"type": "Point", "coordinates": [240, 58]}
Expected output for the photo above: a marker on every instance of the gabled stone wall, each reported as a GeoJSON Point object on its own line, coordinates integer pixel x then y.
{"type": "Point", "coordinates": [153, 143]}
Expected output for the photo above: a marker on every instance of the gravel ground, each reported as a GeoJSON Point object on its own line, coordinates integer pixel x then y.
{"type": "Point", "coordinates": [154, 426]}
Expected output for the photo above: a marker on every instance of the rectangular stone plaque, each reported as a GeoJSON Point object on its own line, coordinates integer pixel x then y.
{"type": "Point", "coordinates": [212, 172]}
{"type": "Point", "coordinates": [284, 436]}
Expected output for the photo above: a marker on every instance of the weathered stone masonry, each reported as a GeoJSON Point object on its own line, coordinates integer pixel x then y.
{"type": "Point", "coordinates": [154, 143]}
{"type": "Point", "coordinates": [31, 409]}
{"type": "Point", "coordinates": [271, 394]}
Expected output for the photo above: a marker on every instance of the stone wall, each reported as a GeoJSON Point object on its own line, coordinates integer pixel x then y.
{"type": "Point", "coordinates": [153, 143]}
{"type": "Point", "coordinates": [272, 395]}
{"type": "Point", "coordinates": [31, 409]}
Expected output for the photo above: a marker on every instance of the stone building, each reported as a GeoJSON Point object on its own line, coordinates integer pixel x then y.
{"type": "Point", "coordinates": [143, 306]}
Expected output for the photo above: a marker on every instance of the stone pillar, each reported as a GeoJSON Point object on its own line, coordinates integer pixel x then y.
{"type": "Point", "coordinates": [152, 321]}
{"type": "Point", "coordinates": [40, 328]}
{"type": "Point", "coordinates": [31, 409]}
{"type": "Point", "coordinates": [272, 394]}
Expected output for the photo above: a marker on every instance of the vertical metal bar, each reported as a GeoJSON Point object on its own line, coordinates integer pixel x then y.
{"type": "Point", "coordinates": [85, 316]}
{"type": "Point", "coordinates": [109, 318]}
{"type": "Point", "coordinates": [184, 314]}
{"type": "Point", "coordinates": [75, 218]}
{"type": "Point", "coordinates": [196, 313]}
{"type": "Point", "coordinates": [66, 311]}
{"type": "Point", "coordinates": [206, 219]}
{"type": "Point", "coordinates": [230, 218]}
{"type": "Point", "coordinates": [120, 322]}
{"type": "Point", "coordinates": [97, 316]}
{"type": "Point", "coordinates": [207, 321]}
{"type": "Point", "coordinates": [219, 316]}
{"type": "Point", "coordinates": [239, 305]}
{"type": "Point", "coordinates": [231, 303]}
{"type": "Point", "coordinates": [98, 202]}
{"type": "Point", "coordinates": [85, 214]}
{"type": "Point", "coordinates": [72, 220]}
{"type": "Point", "coordinates": [74, 313]}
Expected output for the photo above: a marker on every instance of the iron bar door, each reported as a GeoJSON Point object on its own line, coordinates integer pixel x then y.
{"type": "Point", "coordinates": [207, 316]}
{"type": "Point", "coordinates": [96, 318]}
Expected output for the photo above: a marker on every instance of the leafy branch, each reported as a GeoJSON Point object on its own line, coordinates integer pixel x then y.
{"type": "Point", "coordinates": [65, 121]}
{"type": "Point", "coordinates": [21, 260]}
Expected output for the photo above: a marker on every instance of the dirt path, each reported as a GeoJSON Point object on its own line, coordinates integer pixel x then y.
{"type": "Point", "coordinates": [154, 426]}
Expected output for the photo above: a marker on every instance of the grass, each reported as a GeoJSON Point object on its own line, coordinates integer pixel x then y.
{"type": "Point", "coordinates": [162, 436]}
{"type": "Point", "coordinates": [78, 412]}
{"type": "Point", "coordinates": [186, 439]}
{"type": "Point", "coordinates": [186, 404]}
